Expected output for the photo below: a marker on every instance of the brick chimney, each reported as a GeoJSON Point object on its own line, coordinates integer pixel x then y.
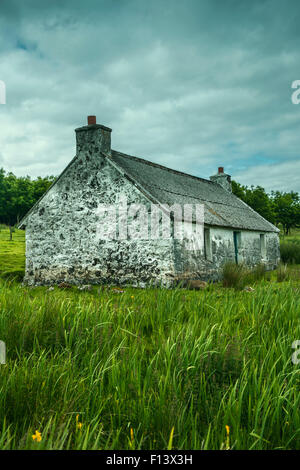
{"type": "Point", "coordinates": [222, 179]}
{"type": "Point", "coordinates": [93, 137]}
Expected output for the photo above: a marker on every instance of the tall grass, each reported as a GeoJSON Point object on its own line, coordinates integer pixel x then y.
{"type": "Point", "coordinates": [290, 252]}
{"type": "Point", "coordinates": [239, 275]}
{"type": "Point", "coordinates": [149, 369]}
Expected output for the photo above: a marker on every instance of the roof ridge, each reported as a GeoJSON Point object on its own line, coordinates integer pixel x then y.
{"type": "Point", "coordinates": [148, 162]}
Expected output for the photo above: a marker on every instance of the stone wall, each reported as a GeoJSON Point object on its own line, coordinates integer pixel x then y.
{"type": "Point", "coordinates": [194, 265]}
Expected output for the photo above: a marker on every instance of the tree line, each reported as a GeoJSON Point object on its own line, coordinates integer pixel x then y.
{"type": "Point", "coordinates": [19, 194]}
{"type": "Point", "coordinates": [278, 207]}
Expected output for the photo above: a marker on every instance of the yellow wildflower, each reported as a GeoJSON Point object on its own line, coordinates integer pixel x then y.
{"type": "Point", "coordinates": [227, 439]}
{"type": "Point", "coordinates": [171, 439]}
{"type": "Point", "coordinates": [78, 423]}
{"type": "Point", "coordinates": [37, 436]}
{"type": "Point", "coordinates": [131, 440]}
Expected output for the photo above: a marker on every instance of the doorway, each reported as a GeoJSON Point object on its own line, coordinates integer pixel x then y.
{"type": "Point", "coordinates": [237, 244]}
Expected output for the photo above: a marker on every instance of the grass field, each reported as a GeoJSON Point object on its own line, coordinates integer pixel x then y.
{"type": "Point", "coordinates": [12, 253]}
{"type": "Point", "coordinates": [147, 368]}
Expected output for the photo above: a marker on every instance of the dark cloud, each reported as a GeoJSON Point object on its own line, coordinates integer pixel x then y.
{"type": "Point", "coordinates": [192, 85]}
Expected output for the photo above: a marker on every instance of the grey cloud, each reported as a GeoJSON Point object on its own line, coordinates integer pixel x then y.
{"type": "Point", "coordinates": [191, 85]}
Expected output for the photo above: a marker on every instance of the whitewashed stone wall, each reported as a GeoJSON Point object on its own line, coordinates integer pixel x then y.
{"type": "Point", "coordinates": [194, 265]}
{"type": "Point", "coordinates": [61, 235]}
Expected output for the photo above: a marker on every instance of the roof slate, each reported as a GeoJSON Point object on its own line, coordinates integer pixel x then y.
{"type": "Point", "coordinates": [221, 208]}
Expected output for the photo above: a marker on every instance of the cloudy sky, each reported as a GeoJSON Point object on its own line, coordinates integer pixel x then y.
{"type": "Point", "coordinates": [190, 84]}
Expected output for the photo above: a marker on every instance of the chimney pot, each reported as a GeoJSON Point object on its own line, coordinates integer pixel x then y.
{"type": "Point", "coordinates": [222, 179]}
{"type": "Point", "coordinates": [91, 120]}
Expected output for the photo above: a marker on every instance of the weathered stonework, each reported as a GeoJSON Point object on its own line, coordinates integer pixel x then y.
{"type": "Point", "coordinates": [62, 230]}
{"type": "Point", "coordinates": [61, 236]}
{"type": "Point", "coordinates": [193, 265]}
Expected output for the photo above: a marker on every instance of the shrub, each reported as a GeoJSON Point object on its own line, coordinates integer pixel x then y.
{"type": "Point", "coordinates": [290, 252]}
{"type": "Point", "coordinates": [235, 275]}
{"type": "Point", "coordinates": [239, 275]}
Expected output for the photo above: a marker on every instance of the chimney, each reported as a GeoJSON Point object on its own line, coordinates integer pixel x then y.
{"type": "Point", "coordinates": [222, 179]}
{"type": "Point", "coordinates": [93, 138]}
{"type": "Point", "coordinates": [92, 120]}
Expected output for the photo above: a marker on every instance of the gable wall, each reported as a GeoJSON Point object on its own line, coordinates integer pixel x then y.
{"type": "Point", "coordinates": [62, 242]}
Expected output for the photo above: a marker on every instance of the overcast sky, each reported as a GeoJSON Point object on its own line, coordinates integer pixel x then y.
{"type": "Point", "coordinates": [189, 84]}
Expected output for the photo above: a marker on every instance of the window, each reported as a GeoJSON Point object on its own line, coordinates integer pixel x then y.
{"type": "Point", "coordinates": [263, 250]}
{"type": "Point", "coordinates": [207, 244]}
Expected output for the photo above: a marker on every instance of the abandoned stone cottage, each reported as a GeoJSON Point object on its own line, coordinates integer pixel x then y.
{"type": "Point", "coordinates": [62, 228]}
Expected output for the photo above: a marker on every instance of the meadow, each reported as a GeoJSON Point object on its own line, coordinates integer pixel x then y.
{"type": "Point", "coordinates": [127, 368]}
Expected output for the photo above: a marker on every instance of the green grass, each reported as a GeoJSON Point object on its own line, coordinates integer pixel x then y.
{"type": "Point", "coordinates": [150, 360]}
{"type": "Point", "coordinates": [12, 253]}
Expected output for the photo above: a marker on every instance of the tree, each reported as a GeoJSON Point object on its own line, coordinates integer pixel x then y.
{"type": "Point", "coordinates": [278, 207]}
{"type": "Point", "coordinates": [257, 198]}
{"type": "Point", "coordinates": [18, 195]}
{"type": "Point", "coordinates": [286, 207]}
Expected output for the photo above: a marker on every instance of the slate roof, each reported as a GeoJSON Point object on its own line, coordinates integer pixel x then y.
{"type": "Point", "coordinates": [221, 208]}
{"type": "Point", "coordinates": [167, 186]}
